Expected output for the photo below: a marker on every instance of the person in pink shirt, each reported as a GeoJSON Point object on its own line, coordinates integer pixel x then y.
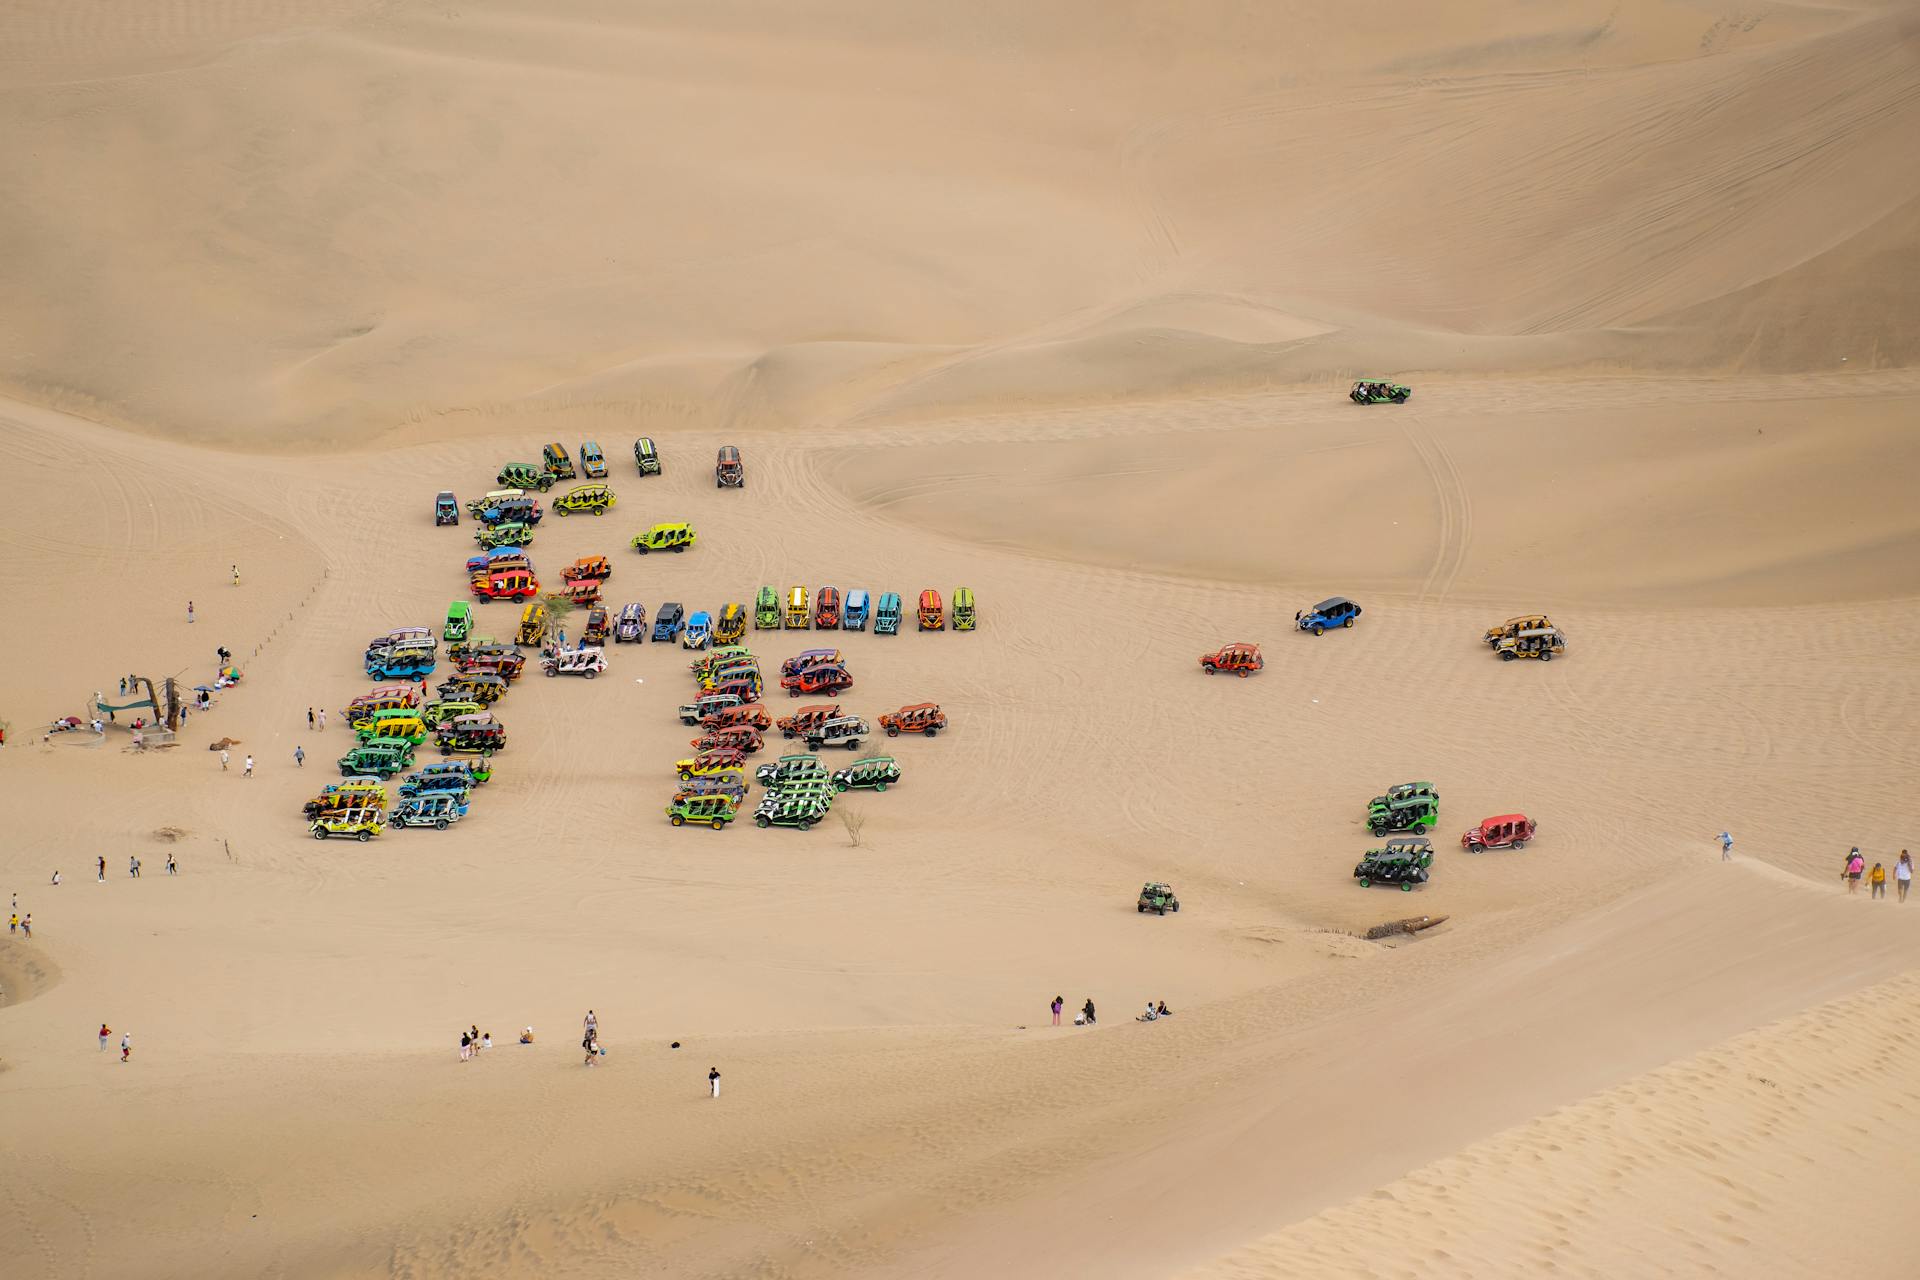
{"type": "Point", "coordinates": [1855, 866]}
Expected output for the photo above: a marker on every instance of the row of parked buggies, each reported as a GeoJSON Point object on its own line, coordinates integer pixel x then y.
{"type": "Point", "coordinates": [799, 789]}
{"type": "Point", "coordinates": [391, 723]}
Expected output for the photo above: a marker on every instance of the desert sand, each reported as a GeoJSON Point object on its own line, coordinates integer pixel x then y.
{"type": "Point", "coordinates": [1059, 303]}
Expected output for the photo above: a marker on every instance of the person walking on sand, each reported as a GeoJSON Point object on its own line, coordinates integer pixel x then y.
{"type": "Point", "coordinates": [26, 926]}
{"type": "Point", "coordinates": [172, 867]}
{"type": "Point", "coordinates": [1902, 875]}
{"type": "Point", "coordinates": [224, 757]}
{"type": "Point", "coordinates": [236, 575]}
{"type": "Point", "coordinates": [1086, 1011]}
{"type": "Point", "coordinates": [323, 719]}
{"type": "Point", "coordinates": [126, 1045]}
{"type": "Point", "coordinates": [189, 611]}
{"type": "Point", "coordinates": [309, 718]}
{"type": "Point", "coordinates": [133, 866]}
{"type": "Point", "coordinates": [1877, 881]}
{"type": "Point", "coordinates": [587, 1043]}
{"type": "Point", "coordinates": [713, 1082]}
{"type": "Point", "coordinates": [466, 1047]}
{"type": "Point", "coordinates": [1726, 847]}
{"type": "Point", "coordinates": [103, 868]}
{"type": "Point", "coordinates": [13, 923]}
{"type": "Point", "coordinates": [1856, 867]}
{"type": "Point", "coordinates": [249, 769]}
{"type": "Point", "coordinates": [106, 1034]}
{"type": "Point", "coordinates": [1058, 1004]}
{"type": "Point", "coordinates": [592, 1024]}
{"type": "Point", "coordinates": [56, 878]}
{"type": "Point", "coordinates": [299, 757]}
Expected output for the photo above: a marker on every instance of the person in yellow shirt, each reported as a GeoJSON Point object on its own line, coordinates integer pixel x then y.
{"type": "Point", "coordinates": [1878, 879]}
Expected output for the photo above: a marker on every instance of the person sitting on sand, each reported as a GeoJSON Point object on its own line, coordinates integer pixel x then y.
{"type": "Point", "coordinates": [1161, 1010]}
{"type": "Point", "coordinates": [526, 1037]}
{"type": "Point", "coordinates": [1149, 1015]}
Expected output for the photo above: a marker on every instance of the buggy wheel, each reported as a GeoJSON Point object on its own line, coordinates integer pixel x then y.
{"type": "Point", "coordinates": [1242, 674]}
{"type": "Point", "coordinates": [1140, 907]}
{"type": "Point", "coordinates": [1318, 627]}
{"type": "Point", "coordinates": [1406, 886]}
{"type": "Point", "coordinates": [678, 821]}
{"type": "Point", "coordinates": [1364, 882]}
{"type": "Point", "coordinates": [1519, 844]}
{"type": "Point", "coordinates": [440, 825]}
{"type": "Point", "coordinates": [1506, 655]}
{"type": "Point", "coordinates": [760, 820]}
{"type": "Point", "coordinates": [364, 836]}
{"type": "Point", "coordinates": [1161, 910]}
{"type": "Point", "coordinates": [853, 744]}
{"type": "Point", "coordinates": [551, 672]}
{"type": "Point", "coordinates": [719, 824]}
{"type": "Point", "coordinates": [589, 673]}
{"type": "Point", "coordinates": [806, 826]}
{"type": "Point", "coordinates": [1546, 655]}
{"type": "Point", "coordinates": [319, 833]}
{"type": "Point", "coordinates": [682, 547]}
{"type": "Point", "coordinates": [1347, 623]}
{"type": "Point", "coordinates": [685, 776]}
{"type": "Point", "coordinates": [642, 548]}
{"type": "Point", "coordinates": [599, 511]}
{"type": "Point", "coordinates": [1175, 908]}
{"type": "Point", "coordinates": [879, 786]}
{"type": "Point", "coordinates": [559, 510]}
{"type": "Point", "coordinates": [1207, 667]}
{"type": "Point", "coordinates": [932, 732]}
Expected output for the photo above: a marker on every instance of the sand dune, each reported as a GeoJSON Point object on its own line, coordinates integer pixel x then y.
{"type": "Point", "coordinates": [427, 211]}
{"type": "Point", "coordinates": [1058, 303]}
{"type": "Point", "coordinates": [1759, 1157]}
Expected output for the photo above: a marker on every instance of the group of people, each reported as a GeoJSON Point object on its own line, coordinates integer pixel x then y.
{"type": "Point", "coordinates": [1854, 870]}
{"type": "Point", "coordinates": [473, 1041]}
{"type": "Point", "coordinates": [1087, 1017]}
{"type": "Point", "coordinates": [590, 1040]}
{"type": "Point", "coordinates": [126, 1042]}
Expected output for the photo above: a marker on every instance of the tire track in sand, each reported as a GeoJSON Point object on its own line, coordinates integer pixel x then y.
{"type": "Point", "coordinates": [1455, 510]}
